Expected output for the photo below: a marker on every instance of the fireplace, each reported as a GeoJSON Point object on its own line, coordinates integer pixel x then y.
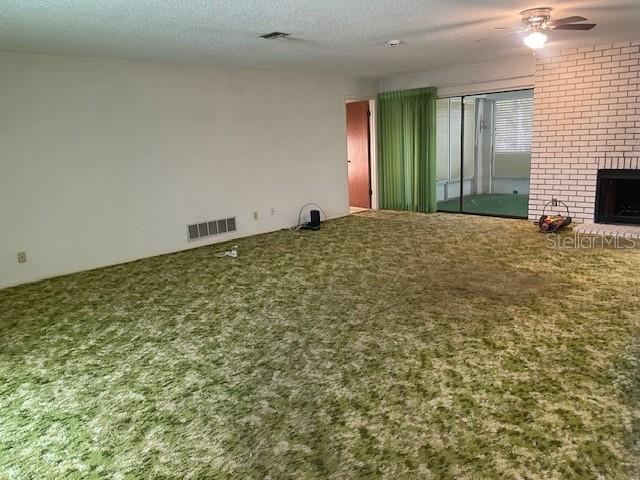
{"type": "Point", "coordinates": [618, 197]}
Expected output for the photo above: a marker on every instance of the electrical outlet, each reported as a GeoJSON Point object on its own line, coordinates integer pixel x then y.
{"type": "Point", "coordinates": [22, 257]}
{"type": "Point", "coordinates": [273, 211]}
{"type": "Point", "coordinates": [255, 215]}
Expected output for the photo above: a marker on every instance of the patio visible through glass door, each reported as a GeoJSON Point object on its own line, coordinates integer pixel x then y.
{"type": "Point", "coordinates": [495, 133]}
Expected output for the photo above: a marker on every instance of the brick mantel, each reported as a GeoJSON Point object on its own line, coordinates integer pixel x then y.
{"type": "Point", "coordinates": [586, 117]}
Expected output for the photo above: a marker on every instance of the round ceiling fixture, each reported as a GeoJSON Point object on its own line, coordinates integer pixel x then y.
{"type": "Point", "coordinates": [537, 17]}
{"type": "Point", "coordinates": [536, 20]}
{"type": "Point", "coordinates": [535, 40]}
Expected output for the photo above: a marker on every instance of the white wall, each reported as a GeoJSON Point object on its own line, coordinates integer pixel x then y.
{"type": "Point", "coordinates": [511, 74]}
{"type": "Point", "coordinates": [105, 161]}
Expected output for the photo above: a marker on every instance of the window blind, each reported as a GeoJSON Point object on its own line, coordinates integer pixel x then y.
{"type": "Point", "coordinates": [442, 140]}
{"type": "Point", "coordinates": [514, 125]}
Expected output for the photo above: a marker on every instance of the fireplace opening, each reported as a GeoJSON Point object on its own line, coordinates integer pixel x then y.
{"type": "Point", "coordinates": [618, 197]}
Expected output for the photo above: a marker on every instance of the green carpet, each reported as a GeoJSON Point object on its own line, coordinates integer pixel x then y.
{"type": "Point", "coordinates": [387, 345]}
{"type": "Point", "coordinates": [492, 204]}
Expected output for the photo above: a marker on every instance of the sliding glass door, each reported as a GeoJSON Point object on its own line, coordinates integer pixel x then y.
{"type": "Point", "coordinates": [448, 122]}
{"type": "Point", "coordinates": [484, 153]}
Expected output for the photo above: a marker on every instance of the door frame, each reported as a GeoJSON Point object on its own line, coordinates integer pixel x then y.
{"type": "Point", "coordinates": [373, 147]}
{"type": "Point", "coordinates": [461, 210]}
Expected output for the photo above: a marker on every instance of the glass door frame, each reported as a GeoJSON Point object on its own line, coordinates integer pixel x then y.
{"type": "Point", "coordinates": [462, 120]}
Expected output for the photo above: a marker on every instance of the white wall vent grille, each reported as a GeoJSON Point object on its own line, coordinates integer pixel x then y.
{"type": "Point", "coordinates": [212, 227]}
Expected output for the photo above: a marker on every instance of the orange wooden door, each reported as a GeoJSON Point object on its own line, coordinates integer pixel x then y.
{"type": "Point", "coordinates": [358, 154]}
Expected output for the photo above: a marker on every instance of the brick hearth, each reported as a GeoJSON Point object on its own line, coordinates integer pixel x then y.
{"type": "Point", "coordinates": [624, 231]}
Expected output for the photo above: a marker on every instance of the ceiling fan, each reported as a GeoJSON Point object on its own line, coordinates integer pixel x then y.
{"type": "Point", "coordinates": [537, 22]}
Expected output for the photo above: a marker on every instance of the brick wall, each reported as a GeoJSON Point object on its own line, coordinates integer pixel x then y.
{"type": "Point", "coordinates": [587, 116]}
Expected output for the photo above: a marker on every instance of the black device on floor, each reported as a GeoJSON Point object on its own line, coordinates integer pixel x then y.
{"type": "Point", "coordinates": [314, 224]}
{"type": "Point", "coordinates": [315, 218]}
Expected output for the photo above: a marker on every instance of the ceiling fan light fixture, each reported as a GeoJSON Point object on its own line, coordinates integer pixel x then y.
{"type": "Point", "coordinates": [538, 25]}
{"type": "Point", "coordinates": [535, 40]}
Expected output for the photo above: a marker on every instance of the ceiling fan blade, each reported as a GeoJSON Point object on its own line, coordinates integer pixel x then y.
{"type": "Point", "coordinates": [503, 33]}
{"type": "Point", "coordinates": [575, 26]}
{"type": "Point", "coordinates": [562, 21]}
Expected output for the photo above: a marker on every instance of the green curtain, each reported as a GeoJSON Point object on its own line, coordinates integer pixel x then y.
{"type": "Point", "coordinates": [407, 149]}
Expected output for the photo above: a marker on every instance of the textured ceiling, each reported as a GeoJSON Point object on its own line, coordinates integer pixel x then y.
{"type": "Point", "coordinates": [329, 36]}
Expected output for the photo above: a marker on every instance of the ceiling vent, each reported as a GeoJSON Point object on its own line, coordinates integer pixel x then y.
{"type": "Point", "coordinates": [274, 35]}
